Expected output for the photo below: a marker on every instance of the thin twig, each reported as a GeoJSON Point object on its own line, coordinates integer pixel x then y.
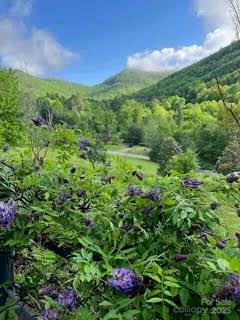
{"type": "Point", "coordinates": [224, 101]}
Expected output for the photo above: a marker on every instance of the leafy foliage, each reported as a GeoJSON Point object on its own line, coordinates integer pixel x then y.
{"type": "Point", "coordinates": [10, 113]}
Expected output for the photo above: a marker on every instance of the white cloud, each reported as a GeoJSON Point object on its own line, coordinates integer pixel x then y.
{"type": "Point", "coordinates": [35, 51]}
{"type": "Point", "coordinates": [216, 15]}
{"type": "Point", "coordinates": [21, 8]}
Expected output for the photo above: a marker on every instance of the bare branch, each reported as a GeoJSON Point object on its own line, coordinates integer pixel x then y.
{"type": "Point", "coordinates": [234, 6]}
{"type": "Point", "coordinates": [229, 109]}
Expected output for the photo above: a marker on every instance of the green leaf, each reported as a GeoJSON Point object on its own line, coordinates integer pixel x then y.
{"type": "Point", "coordinates": [129, 314]}
{"type": "Point", "coordinates": [223, 264]}
{"type": "Point", "coordinates": [184, 296]}
{"type": "Point", "coordinates": [172, 284]}
{"type": "Point", "coordinates": [105, 304]}
{"type": "Point", "coordinates": [155, 300]}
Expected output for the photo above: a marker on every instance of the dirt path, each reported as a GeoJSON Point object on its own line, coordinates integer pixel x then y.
{"type": "Point", "coordinates": [128, 155]}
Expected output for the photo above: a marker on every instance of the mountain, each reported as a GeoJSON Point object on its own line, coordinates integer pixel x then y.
{"type": "Point", "coordinates": [125, 82]}
{"type": "Point", "coordinates": [41, 86]}
{"type": "Point", "coordinates": [188, 81]}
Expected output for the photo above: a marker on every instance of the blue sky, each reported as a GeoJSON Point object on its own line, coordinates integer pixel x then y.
{"type": "Point", "coordinates": [87, 41]}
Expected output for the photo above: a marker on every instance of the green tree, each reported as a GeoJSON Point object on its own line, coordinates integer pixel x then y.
{"type": "Point", "coordinates": [134, 135]}
{"type": "Point", "coordinates": [164, 150]}
{"type": "Point", "coordinates": [183, 162]}
{"type": "Point", "coordinates": [11, 126]}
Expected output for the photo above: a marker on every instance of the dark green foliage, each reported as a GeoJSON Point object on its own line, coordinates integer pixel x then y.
{"type": "Point", "coordinates": [134, 135]}
{"type": "Point", "coordinates": [164, 150]}
{"type": "Point", "coordinates": [210, 143]}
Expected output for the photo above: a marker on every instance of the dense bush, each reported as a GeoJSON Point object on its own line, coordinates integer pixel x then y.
{"type": "Point", "coordinates": [163, 151]}
{"type": "Point", "coordinates": [230, 158]}
{"type": "Point", "coordinates": [183, 162]}
{"type": "Point", "coordinates": [100, 242]}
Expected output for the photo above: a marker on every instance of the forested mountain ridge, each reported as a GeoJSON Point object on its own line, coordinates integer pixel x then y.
{"type": "Point", "coordinates": [188, 82]}
{"type": "Point", "coordinates": [125, 82]}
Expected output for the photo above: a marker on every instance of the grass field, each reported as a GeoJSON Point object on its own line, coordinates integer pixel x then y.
{"type": "Point", "coordinates": [137, 150]}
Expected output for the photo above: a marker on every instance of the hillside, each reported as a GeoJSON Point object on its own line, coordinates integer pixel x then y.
{"type": "Point", "coordinates": [188, 81]}
{"type": "Point", "coordinates": [125, 82]}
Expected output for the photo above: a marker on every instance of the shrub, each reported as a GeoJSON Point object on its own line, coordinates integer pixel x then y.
{"type": "Point", "coordinates": [129, 248]}
{"type": "Point", "coordinates": [183, 162]}
{"type": "Point", "coordinates": [230, 159]}
{"type": "Point", "coordinates": [164, 150]}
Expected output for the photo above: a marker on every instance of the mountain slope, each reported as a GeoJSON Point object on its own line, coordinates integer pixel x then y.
{"type": "Point", "coordinates": [188, 81]}
{"type": "Point", "coordinates": [41, 86]}
{"type": "Point", "coordinates": [125, 82]}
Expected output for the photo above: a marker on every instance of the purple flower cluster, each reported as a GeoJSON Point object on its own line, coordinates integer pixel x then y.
{"type": "Point", "coordinates": [237, 234]}
{"type": "Point", "coordinates": [68, 298]}
{"type": "Point", "coordinates": [84, 144]}
{"type": "Point", "coordinates": [7, 213]}
{"type": "Point", "coordinates": [191, 183]}
{"type": "Point", "coordinates": [231, 289]}
{"type": "Point", "coordinates": [220, 245]}
{"type": "Point", "coordinates": [153, 195]}
{"type": "Point", "coordinates": [233, 177]}
{"type": "Point", "coordinates": [39, 121]}
{"type": "Point", "coordinates": [124, 280]}
{"type": "Point", "coordinates": [179, 257]}
{"type": "Point", "coordinates": [88, 222]}
{"type": "Point", "coordinates": [133, 191]}
{"type": "Point", "coordinates": [147, 210]}
{"type": "Point", "coordinates": [50, 290]}
{"type": "Point", "coordinates": [50, 314]}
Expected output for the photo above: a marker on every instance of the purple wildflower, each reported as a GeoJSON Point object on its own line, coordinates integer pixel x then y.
{"type": "Point", "coordinates": [39, 121]}
{"type": "Point", "coordinates": [226, 293]}
{"type": "Point", "coordinates": [50, 290]}
{"type": "Point", "coordinates": [179, 257]}
{"type": "Point", "coordinates": [238, 244]}
{"type": "Point", "coordinates": [191, 183]}
{"type": "Point", "coordinates": [236, 294]}
{"type": "Point", "coordinates": [84, 144]}
{"type": "Point", "coordinates": [127, 227]}
{"type": "Point", "coordinates": [124, 280]}
{"type": "Point", "coordinates": [220, 245]}
{"type": "Point", "coordinates": [133, 191]}
{"type": "Point", "coordinates": [153, 195]}
{"type": "Point", "coordinates": [147, 210]}
{"type": "Point", "coordinates": [88, 222]}
{"type": "Point", "coordinates": [7, 213]}
{"type": "Point", "coordinates": [233, 177]}
{"type": "Point", "coordinates": [214, 206]}
{"type": "Point", "coordinates": [234, 279]}
{"type": "Point", "coordinates": [50, 314]}
{"type": "Point", "coordinates": [68, 298]}
{"type": "Point", "coordinates": [231, 289]}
